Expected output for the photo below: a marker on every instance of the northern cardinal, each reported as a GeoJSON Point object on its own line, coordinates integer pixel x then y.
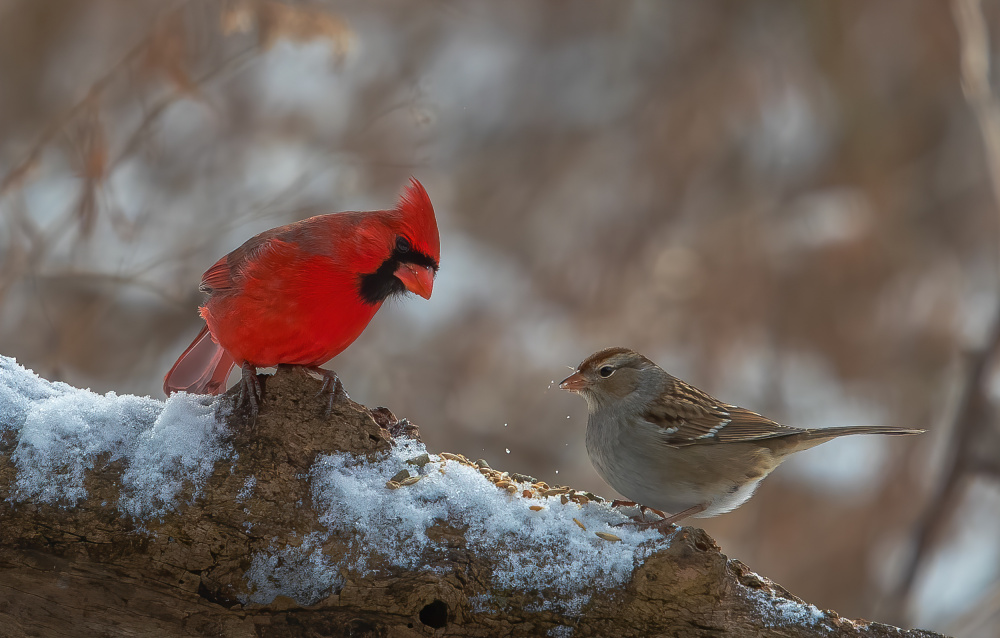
{"type": "Point", "coordinates": [669, 446]}
{"type": "Point", "coordinates": [300, 294]}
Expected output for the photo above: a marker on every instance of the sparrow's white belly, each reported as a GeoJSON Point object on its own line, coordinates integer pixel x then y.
{"type": "Point", "coordinates": [637, 464]}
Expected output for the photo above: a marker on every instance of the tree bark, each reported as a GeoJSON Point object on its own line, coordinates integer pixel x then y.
{"type": "Point", "coordinates": [87, 570]}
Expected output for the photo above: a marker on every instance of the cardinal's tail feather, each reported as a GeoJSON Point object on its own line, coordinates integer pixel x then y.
{"type": "Point", "coordinates": [202, 369]}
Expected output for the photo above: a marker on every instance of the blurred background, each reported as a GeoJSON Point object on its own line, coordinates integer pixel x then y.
{"type": "Point", "coordinates": [787, 204]}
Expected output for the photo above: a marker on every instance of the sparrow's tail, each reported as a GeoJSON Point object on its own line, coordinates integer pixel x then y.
{"type": "Point", "coordinates": [829, 433]}
{"type": "Point", "coordinates": [202, 369]}
{"type": "Point", "coordinates": [810, 438]}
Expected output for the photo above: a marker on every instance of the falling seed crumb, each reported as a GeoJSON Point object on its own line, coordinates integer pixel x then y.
{"type": "Point", "coordinates": [580, 524]}
{"type": "Point", "coordinates": [607, 537]}
{"type": "Point", "coordinates": [508, 450]}
{"type": "Point", "coordinates": [536, 508]}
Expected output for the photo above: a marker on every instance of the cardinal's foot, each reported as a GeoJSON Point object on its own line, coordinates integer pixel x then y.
{"type": "Point", "coordinates": [332, 388]}
{"type": "Point", "coordinates": [251, 394]}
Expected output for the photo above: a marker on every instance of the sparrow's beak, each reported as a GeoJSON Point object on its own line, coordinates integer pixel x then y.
{"type": "Point", "coordinates": [417, 279]}
{"type": "Point", "coordinates": [574, 382]}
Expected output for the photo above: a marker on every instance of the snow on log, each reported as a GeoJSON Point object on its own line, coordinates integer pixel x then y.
{"type": "Point", "coordinates": [129, 516]}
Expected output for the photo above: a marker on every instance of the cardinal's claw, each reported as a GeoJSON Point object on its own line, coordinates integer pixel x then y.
{"type": "Point", "coordinates": [251, 394]}
{"type": "Point", "coordinates": [332, 388]}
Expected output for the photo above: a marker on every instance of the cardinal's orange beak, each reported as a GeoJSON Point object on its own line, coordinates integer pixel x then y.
{"type": "Point", "coordinates": [574, 382]}
{"type": "Point", "coordinates": [417, 279]}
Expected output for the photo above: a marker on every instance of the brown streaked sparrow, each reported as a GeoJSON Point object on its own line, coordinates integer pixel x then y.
{"type": "Point", "coordinates": [668, 446]}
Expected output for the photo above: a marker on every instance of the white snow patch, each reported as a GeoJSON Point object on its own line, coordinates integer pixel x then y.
{"type": "Point", "coordinates": [776, 611]}
{"type": "Point", "coordinates": [60, 432]}
{"type": "Point", "coordinates": [544, 552]}
{"type": "Point", "coordinates": [247, 490]}
{"type": "Point", "coordinates": [303, 573]}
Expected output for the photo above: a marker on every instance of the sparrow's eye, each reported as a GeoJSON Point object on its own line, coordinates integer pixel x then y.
{"type": "Point", "coordinates": [606, 371]}
{"type": "Point", "coordinates": [403, 244]}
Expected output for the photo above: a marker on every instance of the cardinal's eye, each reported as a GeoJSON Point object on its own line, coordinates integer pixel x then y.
{"type": "Point", "coordinates": [403, 244]}
{"type": "Point", "coordinates": [606, 371]}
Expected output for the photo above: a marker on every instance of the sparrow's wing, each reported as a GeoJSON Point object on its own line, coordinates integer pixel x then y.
{"type": "Point", "coordinates": [687, 416]}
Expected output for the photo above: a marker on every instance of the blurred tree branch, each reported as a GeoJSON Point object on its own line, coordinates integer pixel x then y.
{"type": "Point", "coordinates": [21, 171]}
{"type": "Point", "coordinates": [973, 446]}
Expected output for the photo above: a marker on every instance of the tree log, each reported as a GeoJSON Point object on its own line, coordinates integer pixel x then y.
{"type": "Point", "coordinates": [205, 566]}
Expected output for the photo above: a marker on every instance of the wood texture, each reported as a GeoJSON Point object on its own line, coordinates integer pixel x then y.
{"type": "Point", "coordinates": [87, 571]}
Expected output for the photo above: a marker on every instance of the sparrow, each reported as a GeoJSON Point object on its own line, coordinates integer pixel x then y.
{"type": "Point", "coordinates": [670, 447]}
{"type": "Point", "coordinates": [300, 294]}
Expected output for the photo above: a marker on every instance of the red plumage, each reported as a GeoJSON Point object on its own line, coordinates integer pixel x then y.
{"type": "Point", "coordinates": [300, 294]}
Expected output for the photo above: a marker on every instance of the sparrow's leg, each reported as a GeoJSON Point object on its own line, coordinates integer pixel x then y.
{"type": "Point", "coordinates": [679, 516]}
{"type": "Point", "coordinates": [642, 509]}
{"type": "Point", "coordinates": [666, 520]}
{"type": "Point", "coordinates": [251, 394]}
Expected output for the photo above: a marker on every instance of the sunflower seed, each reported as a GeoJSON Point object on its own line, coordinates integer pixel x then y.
{"type": "Point", "coordinates": [420, 461]}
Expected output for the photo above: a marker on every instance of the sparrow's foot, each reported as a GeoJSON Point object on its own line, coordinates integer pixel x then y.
{"type": "Point", "coordinates": [251, 394]}
{"type": "Point", "coordinates": [332, 388]}
{"type": "Point", "coordinates": [665, 522]}
{"type": "Point", "coordinates": [642, 508]}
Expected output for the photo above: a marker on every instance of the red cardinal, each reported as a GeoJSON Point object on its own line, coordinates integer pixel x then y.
{"type": "Point", "coordinates": [300, 294]}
